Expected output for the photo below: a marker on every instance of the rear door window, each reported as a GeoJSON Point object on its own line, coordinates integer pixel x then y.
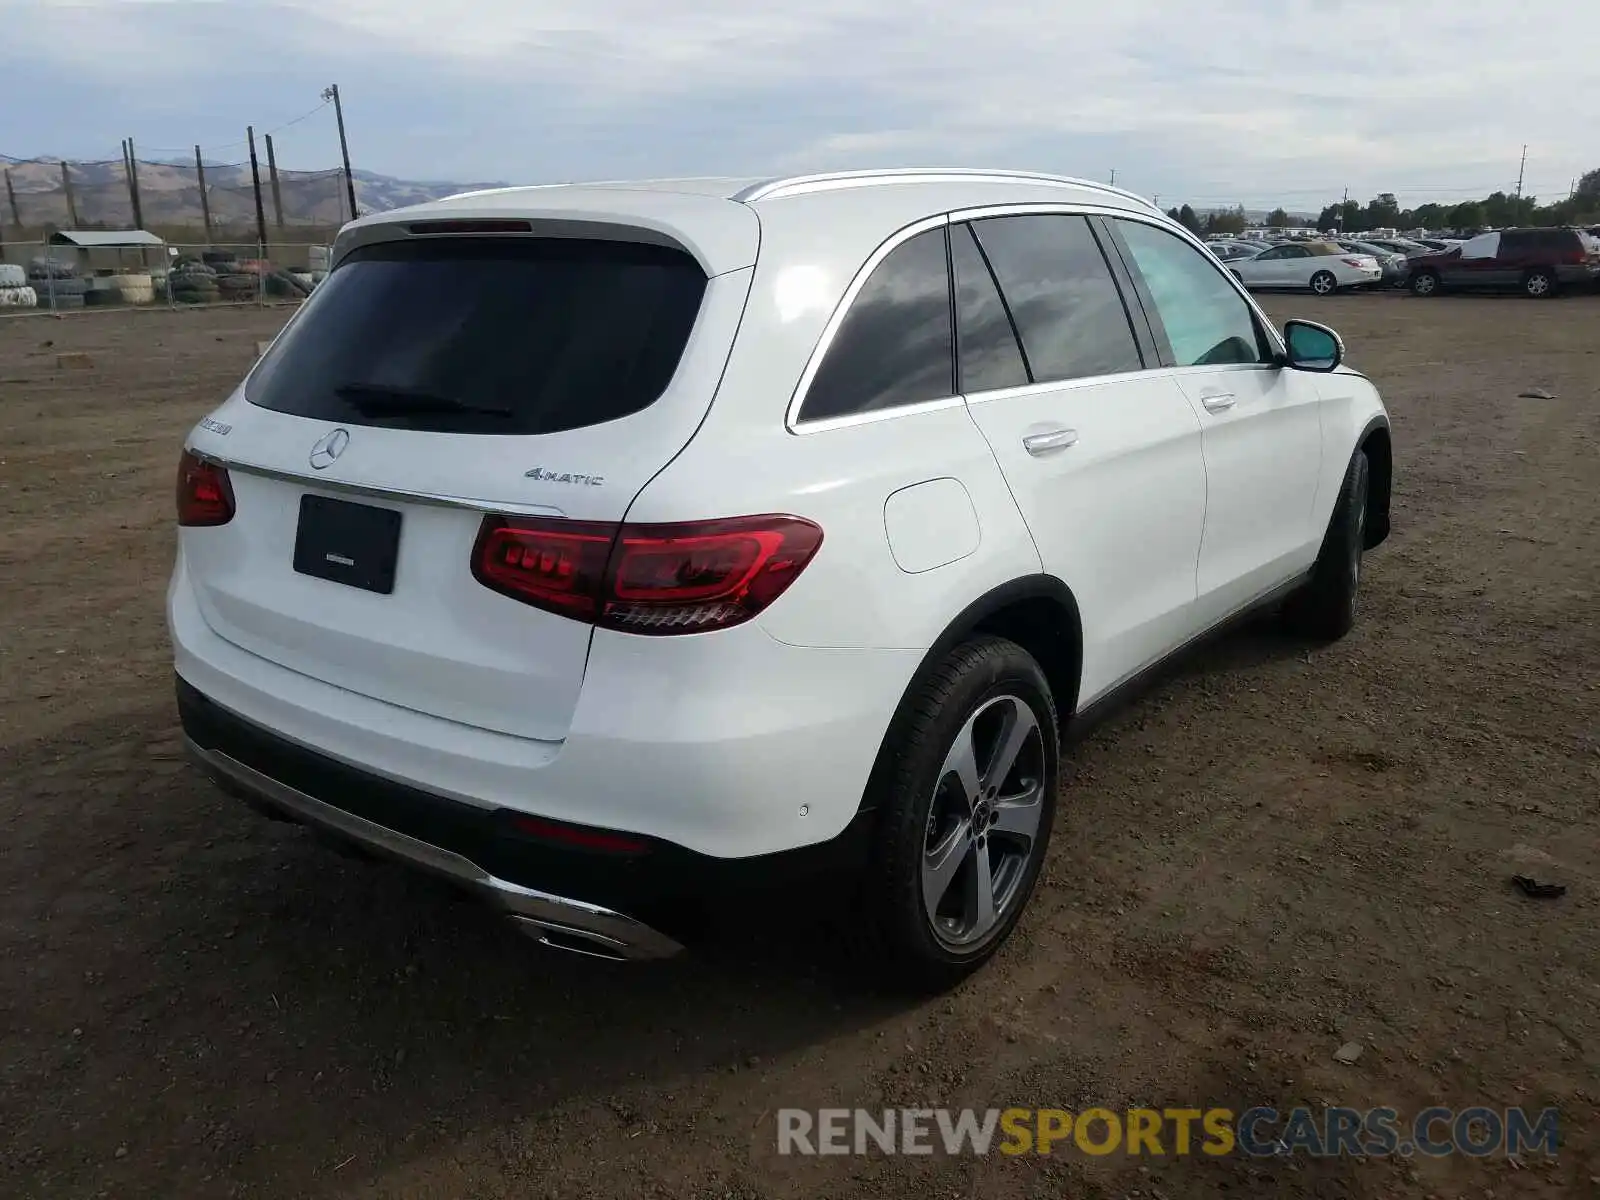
{"type": "Point", "coordinates": [895, 345]}
{"type": "Point", "coordinates": [1062, 295]}
{"type": "Point", "coordinates": [486, 335]}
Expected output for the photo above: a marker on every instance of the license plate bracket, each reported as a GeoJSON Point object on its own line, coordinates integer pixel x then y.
{"type": "Point", "coordinates": [357, 545]}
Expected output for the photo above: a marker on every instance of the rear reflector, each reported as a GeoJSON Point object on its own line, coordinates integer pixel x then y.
{"type": "Point", "coordinates": [648, 579]}
{"type": "Point", "coordinates": [205, 495]}
{"type": "Point", "coordinates": [580, 837]}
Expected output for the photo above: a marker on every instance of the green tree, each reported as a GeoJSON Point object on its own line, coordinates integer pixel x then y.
{"type": "Point", "coordinates": [1470, 215]}
{"type": "Point", "coordinates": [1589, 189]}
{"type": "Point", "coordinates": [1430, 216]}
{"type": "Point", "coordinates": [1278, 219]}
{"type": "Point", "coordinates": [1188, 219]}
{"type": "Point", "coordinates": [1226, 221]}
{"type": "Point", "coordinates": [1382, 212]}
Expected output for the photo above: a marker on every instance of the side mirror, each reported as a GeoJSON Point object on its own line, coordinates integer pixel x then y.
{"type": "Point", "coordinates": [1312, 347]}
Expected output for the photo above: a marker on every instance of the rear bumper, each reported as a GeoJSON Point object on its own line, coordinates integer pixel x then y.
{"type": "Point", "coordinates": [1578, 273]}
{"type": "Point", "coordinates": [611, 903]}
{"type": "Point", "coordinates": [554, 920]}
{"type": "Point", "coordinates": [733, 745]}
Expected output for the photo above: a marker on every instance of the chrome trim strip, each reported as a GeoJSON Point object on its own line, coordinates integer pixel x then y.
{"type": "Point", "coordinates": [791, 416]}
{"type": "Point", "coordinates": [795, 185]}
{"type": "Point", "coordinates": [435, 499]}
{"type": "Point", "coordinates": [1058, 385]}
{"type": "Point", "coordinates": [614, 934]}
{"type": "Point", "coordinates": [877, 414]}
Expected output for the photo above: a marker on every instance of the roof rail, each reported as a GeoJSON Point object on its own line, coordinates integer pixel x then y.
{"type": "Point", "coordinates": [794, 185]}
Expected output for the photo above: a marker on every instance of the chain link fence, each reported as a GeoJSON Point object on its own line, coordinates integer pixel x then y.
{"type": "Point", "coordinates": [51, 277]}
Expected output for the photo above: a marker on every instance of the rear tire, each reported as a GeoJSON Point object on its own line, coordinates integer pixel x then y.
{"type": "Point", "coordinates": [1539, 283]}
{"type": "Point", "coordinates": [1323, 283]}
{"type": "Point", "coordinates": [958, 818]}
{"type": "Point", "coordinates": [1325, 607]}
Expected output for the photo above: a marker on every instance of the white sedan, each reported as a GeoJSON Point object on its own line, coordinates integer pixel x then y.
{"type": "Point", "coordinates": [1321, 266]}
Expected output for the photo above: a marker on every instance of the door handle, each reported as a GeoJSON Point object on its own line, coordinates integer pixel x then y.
{"type": "Point", "coordinates": [1216, 401]}
{"type": "Point", "coordinates": [1042, 443]}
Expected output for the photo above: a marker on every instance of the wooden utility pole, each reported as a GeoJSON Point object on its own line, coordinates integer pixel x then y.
{"type": "Point", "coordinates": [331, 92]}
{"type": "Point", "coordinates": [277, 192]}
{"type": "Point", "coordinates": [11, 195]}
{"type": "Point", "coordinates": [255, 176]}
{"type": "Point", "coordinates": [205, 198]}
{"type": "Point", "coordinates": [72, 205]}
{"type": "Point", "coordinates": [133, 186]}
{"type": "Point", "coordinates": [1523, 167]}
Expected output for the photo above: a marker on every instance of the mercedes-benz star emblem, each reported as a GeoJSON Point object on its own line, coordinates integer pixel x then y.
{"type": "Point", "coordinates": [328, 447]}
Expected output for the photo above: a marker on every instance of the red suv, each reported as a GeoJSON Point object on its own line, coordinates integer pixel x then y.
{"type": "Point", "coordinates": [1537, 262]}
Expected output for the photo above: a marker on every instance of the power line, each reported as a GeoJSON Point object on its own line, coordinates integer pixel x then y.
{"type": "Point", "coordinates": [305, 116]}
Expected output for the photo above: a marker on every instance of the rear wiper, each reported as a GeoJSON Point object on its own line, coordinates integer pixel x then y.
{"type": "Point", "coordinates": [380, 399]}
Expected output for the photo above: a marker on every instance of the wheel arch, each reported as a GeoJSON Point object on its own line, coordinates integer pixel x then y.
{"type": "Point", "coordinates": [1375, 442]}
{"type": "Point", "coordinates": [1039, 613]}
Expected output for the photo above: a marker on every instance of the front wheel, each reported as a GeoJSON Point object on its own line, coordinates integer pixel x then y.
{"type": "Point", "coordinates": [1425, 283]}
{"type": "Point", "coordinates": [966, 799]}
{"type": "Point", "coordinates": [1324, 284]}
{"type": "Point", "coordinates": [1325, 607]}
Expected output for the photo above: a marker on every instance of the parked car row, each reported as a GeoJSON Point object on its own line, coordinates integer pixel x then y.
{"type": "Point", "coordinates": [1536, 262]}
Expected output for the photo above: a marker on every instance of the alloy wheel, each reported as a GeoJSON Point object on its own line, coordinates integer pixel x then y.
{"type": "Point", "coordinates": [983, 825]}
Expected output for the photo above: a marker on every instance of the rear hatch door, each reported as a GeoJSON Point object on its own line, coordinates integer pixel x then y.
{"type": "Point", "coordinates": [425, 383]}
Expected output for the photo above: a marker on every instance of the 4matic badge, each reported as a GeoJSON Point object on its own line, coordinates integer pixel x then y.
{"type": "Point", "coordinates": [544, 475]}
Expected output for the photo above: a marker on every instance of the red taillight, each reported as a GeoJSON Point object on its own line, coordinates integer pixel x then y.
{"type": "Point", "coordinates": [555, 565]}
{"type": "Point", "coordinates": [651, 579]}
{"type": "Point", "coordinates": [205, 497]}
{"type": "Point", "coordinates": [1356, 262]}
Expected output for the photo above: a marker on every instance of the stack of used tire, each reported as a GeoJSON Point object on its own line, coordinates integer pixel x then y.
{"type": "Point", "coordinates": [285, 285]}
{"type": "Point", "coordinates": [134, 288]}
{"type": "Point", "coordinates": [56, 284]}
{"type": "Point", "coordinates": [14, 289]}
{"type": "Point", "coordinates": [239, 286]}
{"type": "Point", "coordinates": [192, 282]}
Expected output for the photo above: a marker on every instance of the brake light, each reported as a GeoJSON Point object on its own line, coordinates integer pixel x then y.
{"type": "Point", "coordinates": [205, 495]}
{"type": "Point", "coordinates": [1355, 262]}
{"type": "Point", "coordinates": [647, 579]}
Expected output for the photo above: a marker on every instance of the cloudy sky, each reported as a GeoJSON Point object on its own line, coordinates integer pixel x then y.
{"type": "Point", "coordinates": [1259, 101]}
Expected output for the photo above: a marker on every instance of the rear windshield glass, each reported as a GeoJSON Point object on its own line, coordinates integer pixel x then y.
{"type": "Point", "coordinates": [486, 335]}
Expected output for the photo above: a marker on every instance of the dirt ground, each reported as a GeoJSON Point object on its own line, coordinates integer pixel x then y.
{"type": "Point", "coordinates": [1278, 851]}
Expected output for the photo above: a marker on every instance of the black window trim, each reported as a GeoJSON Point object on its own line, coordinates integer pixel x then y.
{"type": "Point", "coordinates": [793, 422]}
{"type": "Point", "coordinates": [1154, 353]}
{"type": "Point", "coordinates": [1005, 305]}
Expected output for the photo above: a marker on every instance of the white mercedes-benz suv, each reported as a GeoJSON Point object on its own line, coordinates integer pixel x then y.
{"type": "Point", "coordinates": [609, 548]}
